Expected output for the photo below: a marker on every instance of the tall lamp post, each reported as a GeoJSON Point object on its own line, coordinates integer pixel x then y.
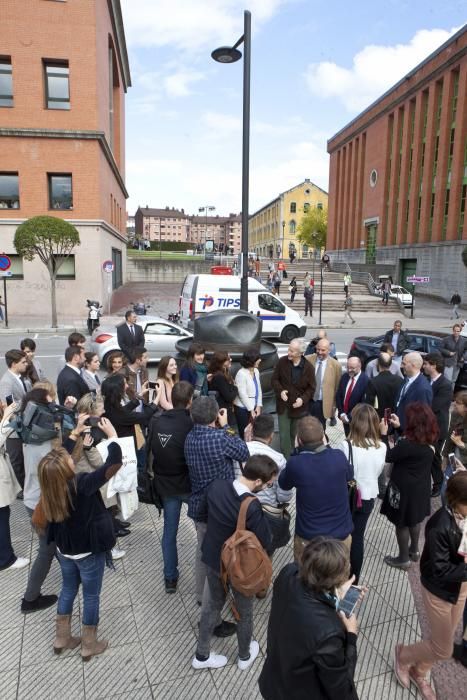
{"type": "Point", "coordinates": [231, 54]}
{"type": "Point", "coordinates": [207, 208]}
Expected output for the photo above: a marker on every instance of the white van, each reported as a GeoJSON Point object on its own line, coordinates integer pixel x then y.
{"type": "Point", "coordinates": [204, 293]}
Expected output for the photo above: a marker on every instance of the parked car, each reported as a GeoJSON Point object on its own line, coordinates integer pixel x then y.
{"type": "Point", "coordinates": [161, 336]}
{"type": "Point", "coordinates": [397, 292]}
{"type": "Point", "coordinates": [367, 347]}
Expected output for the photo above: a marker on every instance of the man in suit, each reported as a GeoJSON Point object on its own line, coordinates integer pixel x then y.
{"type": "Point", "coordinates": [351, 391]}
{"type": "Point", "coordinates": [69, 380]}
{"type": "Point", "coordinates": [397, 337]}
{"type": "Point", "coordinates": [433, 367]}
{"type": "Point", "coordinates": [383, 389]}
{"type": "Point", "coordinates": [130, 335]}
{"type": "Point", "coordinates": [415, 387]}
{"type": "Point", "coordinates": [327, 373]}
{"type": "Point", "coordinates": [15, 385]}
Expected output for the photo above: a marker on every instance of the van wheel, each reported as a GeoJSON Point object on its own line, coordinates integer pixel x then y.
{"type": "Point", "coordinates": [289, 333]}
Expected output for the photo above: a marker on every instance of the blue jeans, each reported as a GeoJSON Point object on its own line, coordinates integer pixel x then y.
{"type": "Point", "coordinates": [448, 472]}
{"type": "Point", "coordinates": [172, 506]}
{"type": "Point", "coordinates": [88, 571]}
{"type": "Point", "coordinates": [360, 519]}
{"type": "Point", "coordinates": [141, 458]}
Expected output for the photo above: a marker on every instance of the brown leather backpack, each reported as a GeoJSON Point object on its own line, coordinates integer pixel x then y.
{"type": "Point", "coordinates": [244, 562]}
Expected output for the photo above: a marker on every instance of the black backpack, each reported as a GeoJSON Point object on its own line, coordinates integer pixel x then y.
{"type": "Point", "coordinates": [35, 425]}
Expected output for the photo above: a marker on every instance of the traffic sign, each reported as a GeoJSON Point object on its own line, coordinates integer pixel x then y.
{"type": "Point", "coordinates": [108, 266]}
{"type": "Point", "coordinates": [417, 280]}
{"type": "Point", "coordinates": [6, 273]}
{"type": "Point", "coordinates": [5, 262]}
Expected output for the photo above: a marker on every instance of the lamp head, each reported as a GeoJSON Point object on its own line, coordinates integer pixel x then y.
{"type": "Point", "coordinates": [226, 54]}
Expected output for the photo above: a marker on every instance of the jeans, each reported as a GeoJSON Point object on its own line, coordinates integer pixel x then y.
{"type": "Point", "coordinates": [172, 506]}
{"type": "Point", "coordinates": [242, 416]}
{"type": "Point", "coordinates": [7, 555]}
{"type": "Point", "coordinates": [88, 571]}
{"type": "Point", "coordinates": [200, 568]}
{"type": "Point", "coordinates": [41, 566]}
{"type": "Point", "coordinates": [360, 519]}
{"type": "Point", "coordinates": [452, 373]}
{"type": "Point", "coordinates": [141, 458]}
{"type": "Point", "coordinates": [210, 613]}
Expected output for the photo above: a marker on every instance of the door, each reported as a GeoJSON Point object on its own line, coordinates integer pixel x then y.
{"type": "Point", "coordinates": [160, 339]}
{"type": "Point", "coordinates": [117, 278]}
{"type": "Point", "coordinates": [370, 252]}
{"type": "Point", "coordinates": [272, 314]}
{"type": "Point", "coordinates": [408, 268]}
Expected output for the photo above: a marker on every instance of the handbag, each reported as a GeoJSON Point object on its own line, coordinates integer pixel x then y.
{"type": "Point", "coordinates": [394, 495]}
{"type": "Point", "coordinates": [355, 496]}
{"type": "Point", "coordinates": [279, 524]}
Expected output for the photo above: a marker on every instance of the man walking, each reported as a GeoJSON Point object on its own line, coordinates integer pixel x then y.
{"type": "Point", "coordinates": [383, 388]}
{"type": "Point", "coordinates": [452, 349]}
{"type": "Point", "coordinates": [398, 338]}
{"type": "Point", "coordinates": [351, 391]}
{"type": "Point", "coordinates": [129, 334]}
{"type": "Point", "coordinates": [433, 367]}
{"type": "Point", "coordinates": [328, 372]}
{"type": "Point", "coordinates": [294, 384]}
{"type": "Point", "coordinates": [455, 301]}
{"type": "Point", "coordinates": [348, 303]}
{"type": "Point", "coordinates": [347, 283]}
{"type": "Point", "coordinates": [13, 385]}
{"type": "Point", "coordinates": [309, 293]}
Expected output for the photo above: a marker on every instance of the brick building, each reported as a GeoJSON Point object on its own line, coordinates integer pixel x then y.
{"type": "Point", "coordinates": [398, 176]}
{"type": "Point", "coordinates": [170, 224]}
{"type": "Point", "coordinates": [63, 77]}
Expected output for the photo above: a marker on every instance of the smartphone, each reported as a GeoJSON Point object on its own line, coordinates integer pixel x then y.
{"type": "Point", "coordinates": [93, 421]}
{"type": "Point", "coordinates": [387, 415]}
{"type": "Point", "coordinates": [350, 600]}
{"type": "Point", "coordinates": [9, 399]}
{"type": "Point", "coordinates": [452, 461]}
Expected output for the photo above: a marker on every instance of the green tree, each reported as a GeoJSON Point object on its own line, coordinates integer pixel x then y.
{"type": "Point", "coordinates": [52, 240]}
{"type": "Point", "coordinates": [313, 228]}
{"type": "Point", "coordinates": [464, 256]}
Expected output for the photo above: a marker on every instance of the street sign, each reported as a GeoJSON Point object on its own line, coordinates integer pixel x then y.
{"type": "Point", "coordinates": [6, 273]}
{"type": "Point", "coordinates": [5, 262]}
{"type": "Point", "coordinates": [417, 280]}
{"type": "Point", "coordinates": [108, 266]}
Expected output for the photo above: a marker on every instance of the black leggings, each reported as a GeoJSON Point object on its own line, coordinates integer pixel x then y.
{"type": "Point", "coordinates": [404, 536]}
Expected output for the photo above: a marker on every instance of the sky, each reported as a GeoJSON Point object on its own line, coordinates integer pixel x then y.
{"type": "Point", "coordinates": [316, 64]}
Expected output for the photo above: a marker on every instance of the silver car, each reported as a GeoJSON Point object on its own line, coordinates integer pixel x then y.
{"type": "Point", "coordinates": [160, 334]}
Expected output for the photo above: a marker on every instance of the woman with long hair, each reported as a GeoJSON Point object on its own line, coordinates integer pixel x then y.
{"type": "Point", "coordinates": [115, 362]}
{"type": "Point", "coordinates": [195, 371]}
{"type": "Point", "coordinates": [167, 376]}
{"type": "Point", "coordinates": [407, 499]}
{"type": "Point", "coordinates": [222, 382]}
{"type": "Point", "coordinates": [249, 401]}
{"type": "Point", "coordinates": [367, 453]}
{"type": "Point", "coordinates": [123, 415]}
{"type": "Point", "coordinates": [443, 574]}
{"type": "Point", "coordinates": [90, 370]}
{"type": "Point", "coordinates": [81, 528]}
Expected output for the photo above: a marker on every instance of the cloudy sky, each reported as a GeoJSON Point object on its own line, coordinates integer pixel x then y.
{"type": "Point", "coordinates": [315, 65]}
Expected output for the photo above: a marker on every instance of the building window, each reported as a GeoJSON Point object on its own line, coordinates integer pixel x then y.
{"type": "Point", "coordinates": [306, 207]}
{"type": "Point", "coordinates": [319, 205]}
{"type": "Point", "coordinates": [9, 191]}
{"type": "Point", "coordinates": [16, 267]}
{"type": "Point", "coordinates": [293, 207]}
{"type": "Point", "coordinates": [66, 269]}
{"type": "Point", "coordinates": [60, 191]}
{"type": "Point", "coordinates": [57, 85]}
{"type": "Point", "coordinates": [462, 212]}
{"type": "Point", "coordinates": [6, 83]}
{"type": "Point", "coordinates": [292, 226]}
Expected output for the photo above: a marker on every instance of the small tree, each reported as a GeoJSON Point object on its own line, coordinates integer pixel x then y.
{"type": "Point", "coordinates": [313, 228]}
{"type": "Point", "coordinates": [52, 240]}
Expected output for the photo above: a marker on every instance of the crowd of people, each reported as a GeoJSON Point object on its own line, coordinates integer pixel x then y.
{"type": "Point", "coordinates": [200, 434]}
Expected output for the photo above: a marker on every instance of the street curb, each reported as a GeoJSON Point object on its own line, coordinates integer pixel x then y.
{"type": "Point", "coordinates": [44, 329]}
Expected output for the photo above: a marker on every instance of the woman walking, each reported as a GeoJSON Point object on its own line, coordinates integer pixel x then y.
{"type": "Point", "coordinates": [293, 288]}
{"type": "Point", "coordinates": [249, 401]}
{"type": "Point", "coordinates": [82, 530]}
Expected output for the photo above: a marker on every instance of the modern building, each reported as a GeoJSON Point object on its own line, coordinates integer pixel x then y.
{"type": "Point", "coordinates": [273, 229]}
{"type": "Point", "coordinates": [174, 225]}
{"type": "Point", "coordinates": [64, 73]}
{"type": "Point", "coordinates": [398, 176]}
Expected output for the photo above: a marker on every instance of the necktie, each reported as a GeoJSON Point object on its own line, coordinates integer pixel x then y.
{"type": "Point", "coordinates": [319, 380]}
{"type": "Point", "coordinates": [24, 385]}
{"type": "Point", "coordinates": [403, 390]}
{"type": "Point", "coordinates": [132, 330]}
{"type": "Point", "coordinates": [347, 395]}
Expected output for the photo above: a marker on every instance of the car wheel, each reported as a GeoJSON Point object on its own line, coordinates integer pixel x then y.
{"type": "Point", "coordinates": [289, 333]}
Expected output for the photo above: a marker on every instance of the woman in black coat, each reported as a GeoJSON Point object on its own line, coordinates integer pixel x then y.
{"type": "Point", "coordinates": [407, 499]}
{"type": "Point", "coordinates": [222, 382]}
{"type": "Point", "coordinates": [312, 649]}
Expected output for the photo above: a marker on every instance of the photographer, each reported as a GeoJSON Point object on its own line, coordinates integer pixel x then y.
{"type": "Point", "coordinates": [311, 347]}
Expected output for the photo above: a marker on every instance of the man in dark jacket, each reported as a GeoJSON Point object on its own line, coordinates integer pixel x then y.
{"type": "Point", "coordinates": [384, 387]}
{"type": "Point", "coordinates": [351, 391]}
{"type": "Point", "coordinates": [294, 384]}
{"type": "Point", "coordinates": [69, 380]}
{"type": "Point", "coordinates": [433, 367]}
{"type": "Point", "coordinates": [130, 335]}
{"type": "Point", "coordinates": [397, 337]}
{"type": "Point", "coordinates": [452, 349]}
{"type": "Point", "coordinates": [415, 387]}
{"type": "Point", "coordinates": [167, 434]}
{"type": "Point", "coordinates": [224, 499]}
{"type": "Point", "coordinates": [308, 293]}
{"type": "Point", "coordinates": [455, 301]}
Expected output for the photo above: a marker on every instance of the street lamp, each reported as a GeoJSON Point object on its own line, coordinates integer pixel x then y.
{"type": "Point", "coordinates": [207, 208]}
{"type": "Point", "coordinates": [283, 237]}
{"type": "Point", "coordinates": [231, 54]}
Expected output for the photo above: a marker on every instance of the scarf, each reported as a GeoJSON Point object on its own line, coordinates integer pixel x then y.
{"type": "Point", "coordinates": [461, 523]}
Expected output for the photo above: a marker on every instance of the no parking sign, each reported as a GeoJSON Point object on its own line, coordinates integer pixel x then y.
{"type": "Point", "coordinates": [108, 266]}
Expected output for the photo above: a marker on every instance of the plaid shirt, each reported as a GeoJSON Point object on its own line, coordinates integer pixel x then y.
{"type": "Point", "coordinates": [209, 454]}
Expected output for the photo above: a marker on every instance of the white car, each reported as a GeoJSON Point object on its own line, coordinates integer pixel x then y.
{"type": "Point", "coordinates": [398, 292]}
{"type": "Point", "coordinates": [160, 337]}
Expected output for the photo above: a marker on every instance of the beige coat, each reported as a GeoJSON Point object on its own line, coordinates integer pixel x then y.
{"type": "Point", "coordinates": [331, 379]}
{"type": "Point", "coordinates": [9, 487]}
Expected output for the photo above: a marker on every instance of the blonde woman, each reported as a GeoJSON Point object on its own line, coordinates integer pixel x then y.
{"type": "Point", "coordinates": [167, 376]}
{"type": "Point", "coordinates": [367, 453]}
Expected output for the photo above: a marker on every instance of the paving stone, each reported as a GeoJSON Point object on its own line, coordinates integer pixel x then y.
{"type": "Point", "coordinates": [385, 687]}
{"type": "Point", "coordinates": [120, 670]}
{"type": "Point", "coordinates": [10, 648]}
{"type": "Point", "coordinates": [232, 684]}
{"type": "Point", "coordinates": [200, 686]}
{"type": "Point", "coordinates": [169, 658]}
{"type": "Point", "coordinates": [39, 635]}
{"type": "Point", "coordinates": [9, 683]}
{"type": "Point", "coordinates": [369, 662]}
{"type": "Point", "coordinates": [399, 594]}
{"type": "Point", "coordinates": [52, 680]}
{"type": "Point", "coordinates": [168, 617]}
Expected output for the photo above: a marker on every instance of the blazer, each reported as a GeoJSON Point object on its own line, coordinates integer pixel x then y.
{"type": "Point", "coordinates": [10, 385]}
{"type": "Point", "coordinates": [130, 376]}
{"type": "Point", "coordinates": [246, 389]}
{"type": "Point", "coordinates": [127, 341]}
{"type": "Point", "coordinates": [329, 384]}
{"type": "Point", "coordinates": [70, 383]}
{"type": "Point", "coordinates": [449, 345]}
{"type": "Point", "coordinates": [419, 390]}
{"type": "Point", "coordinates": [357, 395]}
{"type": "Point", "coordinates": [303, 389]}
{"type": "Point", "coordinates": [442, 398]}
{"type": "Point", "coordinates": [402, 342]}
{"type": "Point", "coordinates": [384, 388]}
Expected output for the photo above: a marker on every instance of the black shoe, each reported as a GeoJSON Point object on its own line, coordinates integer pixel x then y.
{"type": "Point", "coordinates": [122, 523]}
{"type": "Point", "coordinates": [333, 421]}
{"type": "Point", "coordinates": [460, 653]}
{"type": "Point", "coordinates": [20, 496]}
{"type": "Point", "coordinates": [413, 556]}
{"type": "Point", "coordinates": [435, 492]}
{"type": "Point", "coordinates": [121, 532]}
{"type": "Point", "coordinates": [170, 585]}
{"type": "Point", "coordinates": [225, 629]}
{"type": "Point", "coordinates": [41, 603]}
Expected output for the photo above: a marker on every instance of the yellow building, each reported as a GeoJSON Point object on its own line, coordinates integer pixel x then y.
{"type": "Point", "coordinates": [272, 230]}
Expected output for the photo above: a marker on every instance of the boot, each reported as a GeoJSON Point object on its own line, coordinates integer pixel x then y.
{"type": "Point", "coordinates": [90, 646]}
{"type": "Point", "coordinates": [63, 638]}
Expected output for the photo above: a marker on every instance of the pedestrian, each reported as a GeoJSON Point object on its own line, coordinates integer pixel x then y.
{"type": "Point", "coordinates": [452, 349]}
{"type": "Point", "coordinates": [277, 280]}
{"type": "Point", "coordinates": [441, 387]}
{"type": "Point", "coordinates": [195, 371]}
{"type": "Point", "coordinates": [81, 528]}
{"type": "Point", "coordinates": [270, 282]}
{"type": "Point", "coordinates": [444, 589]}
{"type": "Point", "coordinates": [407, 499]}
{"type": "Point", "coordinates": [386, 289]}
{"type": "Point", "coordinates": [137, 377]}
{"type": "Point", "coordinates": [311, 646]}
{"type": "Point", "coordinates": [222, 383]}
{"type": "Point", "coordinates": [328, 372]}
{"type": "Point", "coordinates": [457, 431]}
{"type": "Point", "coordinates": [398, 338]}
{"type": "Point", "coordinates": [348, 303]}
{"type": "Point", "coordinates": [258, 267]}
{"type": "Point", "coordinates": [249, 400]}
{"type": "Point", "coordinates": [372, 367]}
{"type": "Point", "coordinates": [347, 283]}
{"type": "Point", "coordinates": [311, 347]}
{"type": "Point", "coordinates": [293, 288]}
{"type": "Point", "coordinates": [130, 334]}
{"type": "Point", "coordinates": [224, 499]}
{"type": "Point", "coordinates": [14, 386]}
{"type": "Point", "coordinates": [455, 301]}
{"type": "Point", "coordinates": [309, 293]}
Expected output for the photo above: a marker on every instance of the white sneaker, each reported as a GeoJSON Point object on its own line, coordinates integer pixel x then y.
{"type": "Point", "coordinates": [20, 563]}
{"type": "Point", "coordinates": [118, 553]}
{"type": "Point", "coordinates": [254, 651]}
{"type": "Point", "coordinates": [214, 661]}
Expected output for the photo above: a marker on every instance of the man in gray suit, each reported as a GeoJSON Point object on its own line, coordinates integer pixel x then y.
{"type": "Point", "coordinates": [13, 385]}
